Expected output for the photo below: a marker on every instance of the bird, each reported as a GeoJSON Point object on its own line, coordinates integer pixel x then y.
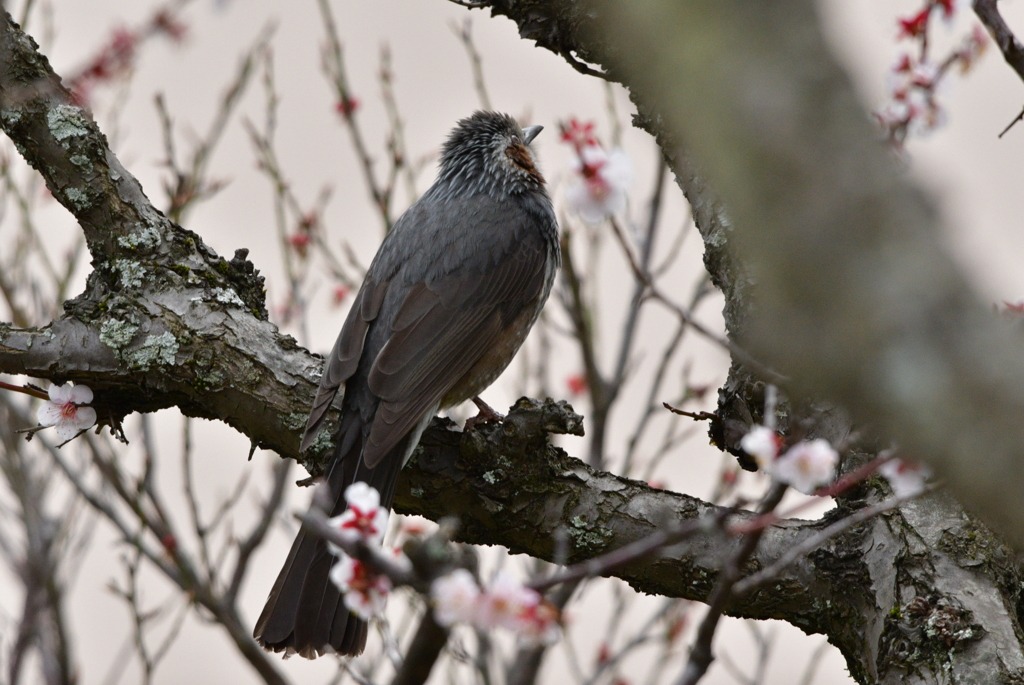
{"type": "Point", "coordinates": [449, 298]}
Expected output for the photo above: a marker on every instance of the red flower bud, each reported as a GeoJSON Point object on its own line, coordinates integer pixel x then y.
{"type": "Point", "coordinates": [347, 106]}
{"type": "Point", "coordinates": [916, 25]}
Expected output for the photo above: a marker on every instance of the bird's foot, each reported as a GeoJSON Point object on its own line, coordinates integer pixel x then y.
{"type": "Point", "coordinates": [486, 414]}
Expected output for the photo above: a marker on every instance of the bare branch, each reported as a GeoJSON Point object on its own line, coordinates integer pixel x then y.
{"type": "Point", "coordinates": [423, 652]}
{"type": "Point", "coordinates": [334, 67]}
{"type": "Point", "coordinates": [1012, 49]}
{"type": "Point", "coordinates": [465, 36]}
{"type": "Point", "coordinates": [247, 546]}
{"type": "Point", "coordinates": [701, 655]}
{"type": "Point", "coordinates": [812, 543]}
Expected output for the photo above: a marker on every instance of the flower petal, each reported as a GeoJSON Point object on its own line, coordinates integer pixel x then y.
{"type": "Point", "coordinates": [80, 394]}
{"type": "Point", "coordinates": [362, 496]}
{"type": "Point", "coordinates": [60, 394]}
{"type": "Point", "coordinates": [84, 418]}
{"type": "Point", "coordinates": [65, 431]}
{"type": "Point", "coordinates": [455, 597]}
{"type": "Point", "coordinates": [49, 414]}
{"type": "Point", "coordinates": [807, 465]}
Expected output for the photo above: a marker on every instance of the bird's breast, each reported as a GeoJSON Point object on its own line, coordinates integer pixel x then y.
{"type": "Point", "coordinates": [495, 359]}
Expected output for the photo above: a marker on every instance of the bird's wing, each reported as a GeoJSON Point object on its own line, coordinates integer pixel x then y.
{"type": "Point", "coordinates": [441, 331]}
{"type": "Point", "coordinates": [344, 358]}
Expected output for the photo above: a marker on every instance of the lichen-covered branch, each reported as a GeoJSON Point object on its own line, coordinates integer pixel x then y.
{"type": "Point", "coordinates": [211, 359]}
{"type": "Point", "coordinates": [164, 320]}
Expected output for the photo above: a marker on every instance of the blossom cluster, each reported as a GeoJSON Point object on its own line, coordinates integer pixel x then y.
{"type": "Point", "coordinates": [506, 603]}
{"type": "Point", "coordinates": [810, 465]}
{"type": "Point", "coordinates": [301, 242]}
{"type": "Point", "coordinates": [302, 238]}
{"type": "Point", "coordinates": [600, 178]}
{"type": "Point", "coordinates": [914, 107]}
{"type": "Point", "coordinates": [577, 384]}
{"type": "Point", "coordinates": [456, 596]}
{"type": "Point", "coordinates": [365, 592]}
{"type": "Point", "coordinates": [347, 105]}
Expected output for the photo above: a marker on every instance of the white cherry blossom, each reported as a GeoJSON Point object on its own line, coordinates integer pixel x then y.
{"type": "Point", "coordinates": [64, 410]}
{"type": "Point", "coordinates": [507, 604]}
{"type": "Point", "coordinates": [906, 478]}
{"type": "Point", "coordinates": [364, 518]}
{"type": "Point", "coordinates": [503, 601]}
{"type": "Point", "coordinates": [539, 624]}
{"type": "Point", "coordinates": [366, 594]}
{"type": "Point", "coordinates": [598, 189]}
{"type": "Point", "coordinates": [762, 443]}
{"type": "Point", "coordinates": [807, 466]}
{"type": "Point", "coordinates": [455, 597]}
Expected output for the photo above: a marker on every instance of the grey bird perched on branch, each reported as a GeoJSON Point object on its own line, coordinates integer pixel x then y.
{"type": "Point", "coordinates": [450, 296]}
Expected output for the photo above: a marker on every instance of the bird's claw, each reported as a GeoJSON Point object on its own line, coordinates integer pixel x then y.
{"type": "Point", "coordinates": [485, 414]}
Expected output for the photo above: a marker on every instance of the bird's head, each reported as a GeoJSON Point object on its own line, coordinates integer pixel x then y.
{"type": "Point", "coordinates": [489, 152]}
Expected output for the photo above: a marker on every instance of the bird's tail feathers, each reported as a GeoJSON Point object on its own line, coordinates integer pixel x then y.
{"type": "Point", "coordinates": [305, 612]}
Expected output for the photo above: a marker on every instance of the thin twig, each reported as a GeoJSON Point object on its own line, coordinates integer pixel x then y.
{"type": "Point", "coordinates": [583, 68]}
{"type": "Point", "coordinates": [1012, 49]}
{"type": "Point", "coordinates": [583, 332]}
{"type": "Point", "coordinates": [768, 574]}
{"type": "Point", "coordinates": [701, 654]}
{"type": "Point", "coordinates": [396, 140]}
{"type": "Point", "coordinates": [738, 353]}
{"type": "Point", "coordinates": [636, 303]}
{"type": "Point", "coordinates": [465, 36]}
{"type": "Point", "coordinates": [812, 663]}
{"type": "Point", "coordinates": [334, 67]}
{"type": "Point", "coordinates": [672, 253]}
{"type": "Point", "coordinates": [1019, 117]}
{"type": "Point", "coordinates": [259, 532]}
{"type": "Point", "coordinates": [26, 390]}
{"type": "Point", "coordinates": [701, 290]}
{"type": "Point", "coordinates": [695, 415]}
{"type": "Point", "coordinates": [640, 638]}
{"type": "Point", "coordinates": [668, 535]}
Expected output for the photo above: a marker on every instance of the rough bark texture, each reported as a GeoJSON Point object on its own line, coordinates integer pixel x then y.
{"type": "Point", "coordinates": [923, 594]}
{"type": "Point", "coordinates": [164, 321]}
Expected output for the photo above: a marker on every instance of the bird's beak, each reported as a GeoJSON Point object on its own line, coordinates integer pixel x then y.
{"type": "Point", "coordinates": [530, 132]}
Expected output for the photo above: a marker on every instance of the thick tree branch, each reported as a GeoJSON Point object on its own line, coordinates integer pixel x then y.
{"type": "Point", "coordinates": [164, 320]}
{"type": "Point", "coordinates": [507, 486]}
